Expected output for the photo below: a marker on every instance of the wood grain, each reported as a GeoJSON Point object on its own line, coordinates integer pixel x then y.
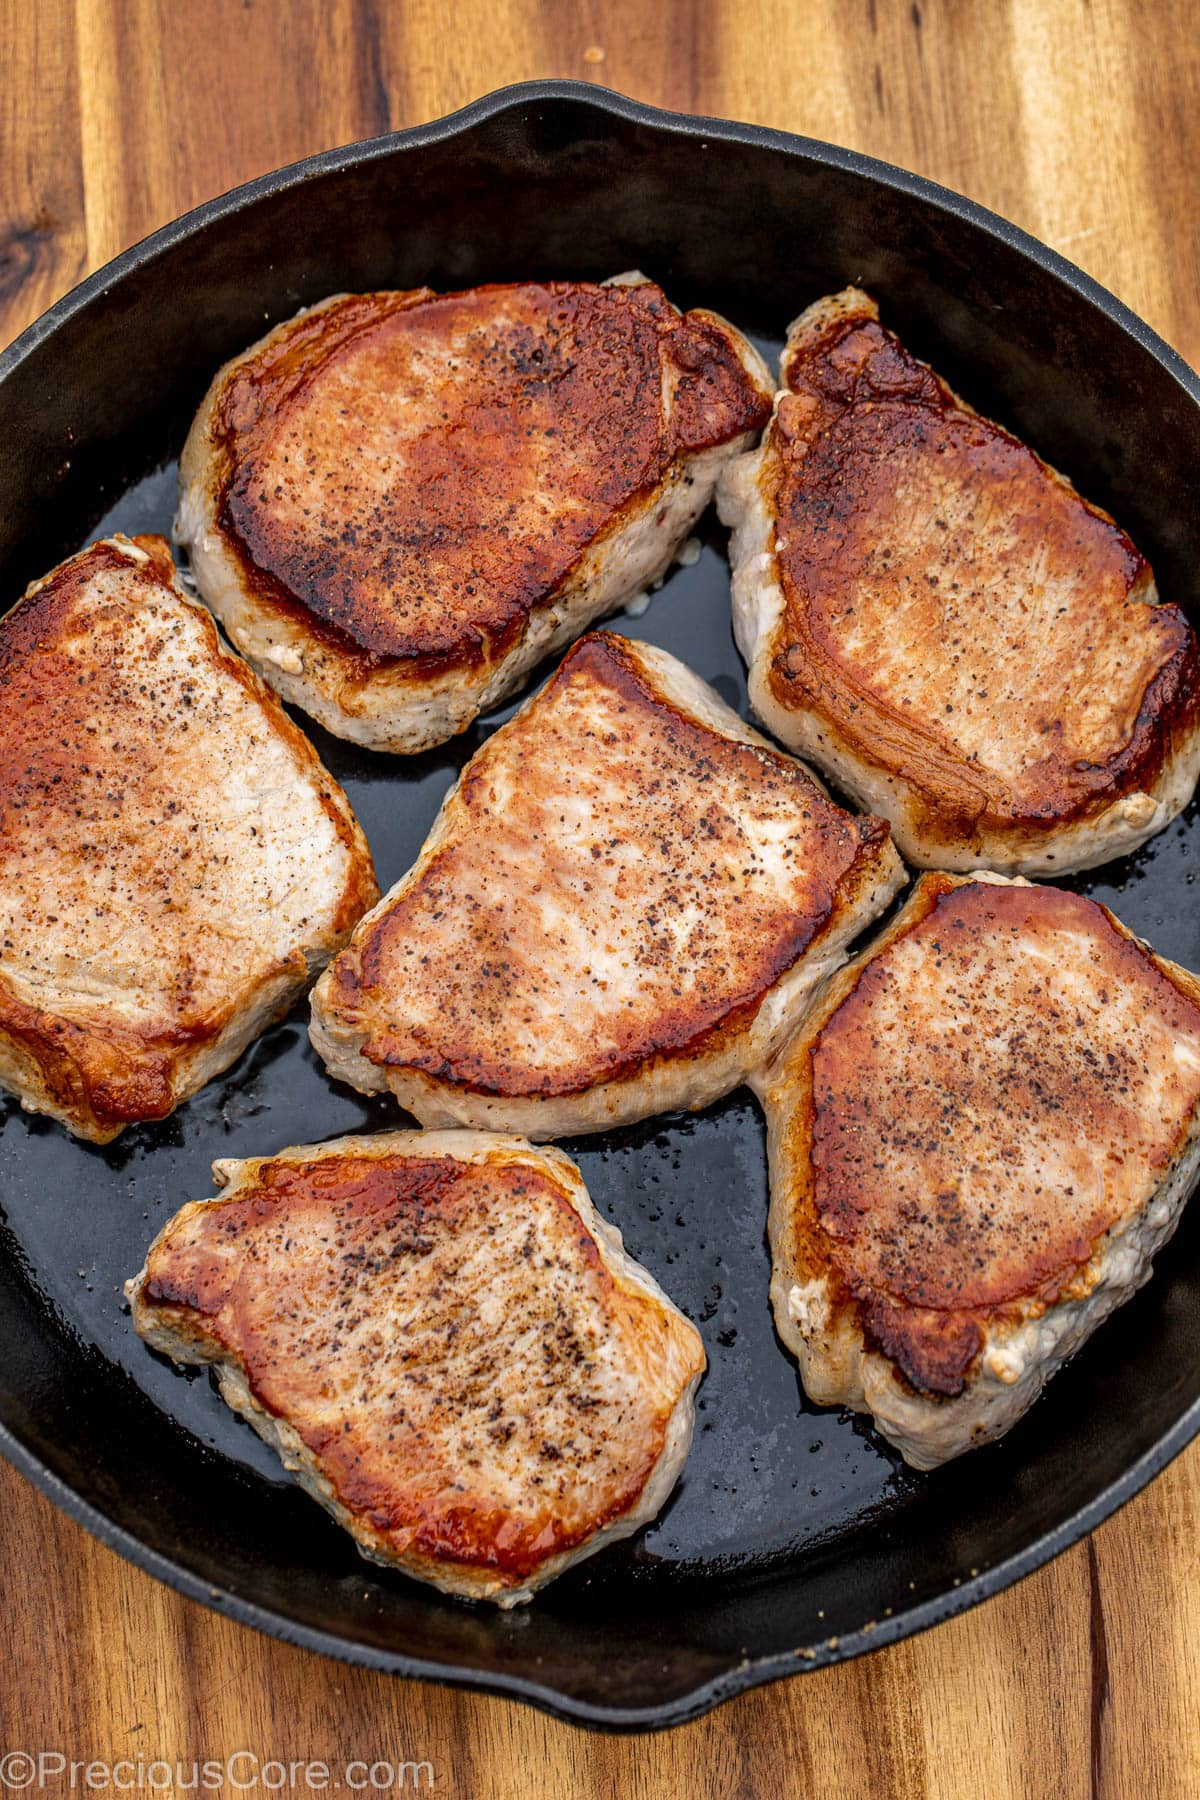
{"type": "Point", "coordinates": [1080, 119]}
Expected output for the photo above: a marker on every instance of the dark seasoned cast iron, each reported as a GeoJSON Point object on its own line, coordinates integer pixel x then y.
{"type": "Point", "coordinates": [794, 1538]}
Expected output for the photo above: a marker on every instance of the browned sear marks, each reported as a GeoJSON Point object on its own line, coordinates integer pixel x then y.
{"type": "Point", "coordinates": [614, 882]}
{"type": "Point", "coordinates": [416, 473]}
{"type": "Point", "coordinates": [961, 618]}
{"type": "Point", "coordinates": [171, 850]}
{"type": "Point", "coordinates": [1002, 1085]}
{"type": "Point", "coordinates": [475, 1384]}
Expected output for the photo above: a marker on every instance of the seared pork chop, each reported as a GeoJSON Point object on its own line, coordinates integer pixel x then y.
{"type": "Point", "coordinates": [620, 909]}
{"type": "Point", "coordinates": [983, 1132]}
{"type": "Point", "coordinates": [175, 864]}
{"type": "Point", "coordinates": [939, 621]}
{"type": "Point", "coordinates": [446, 1343]}
{"type": "Point", "coordinates": [398, 503]}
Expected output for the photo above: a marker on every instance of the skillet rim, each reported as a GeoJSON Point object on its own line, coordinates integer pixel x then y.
{"type": "Point", "coordinates": [750, 1671]}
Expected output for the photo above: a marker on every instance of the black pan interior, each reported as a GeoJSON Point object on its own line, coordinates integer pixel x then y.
{"type": "Point", "coordinates": [795, 1536]}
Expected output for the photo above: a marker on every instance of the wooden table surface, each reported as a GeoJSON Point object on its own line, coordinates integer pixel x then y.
{"type": "Point", "coordinates": [1079, 119]}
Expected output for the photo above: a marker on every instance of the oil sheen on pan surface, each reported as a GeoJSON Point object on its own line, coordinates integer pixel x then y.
{"type": "Point", "coordinates": [792, 1529]}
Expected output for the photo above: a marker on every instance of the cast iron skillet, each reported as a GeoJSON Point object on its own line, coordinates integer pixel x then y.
{"type": "Point", "coordinates": [795, 1537]}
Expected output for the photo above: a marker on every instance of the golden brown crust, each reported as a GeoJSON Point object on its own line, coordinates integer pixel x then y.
{"type": "Point", "coordinates": [614, 883]}
{"type": "Point", "coordinates": [111, 685]}
{"type": "Point", "coordinates": [954, 611]}
{"type": "Point", "coordinates": [535, 415]}
{"type": "Point", "coordinates": [997, 1085]}
{"type": "Point", "coordinates": [477, 1386]}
